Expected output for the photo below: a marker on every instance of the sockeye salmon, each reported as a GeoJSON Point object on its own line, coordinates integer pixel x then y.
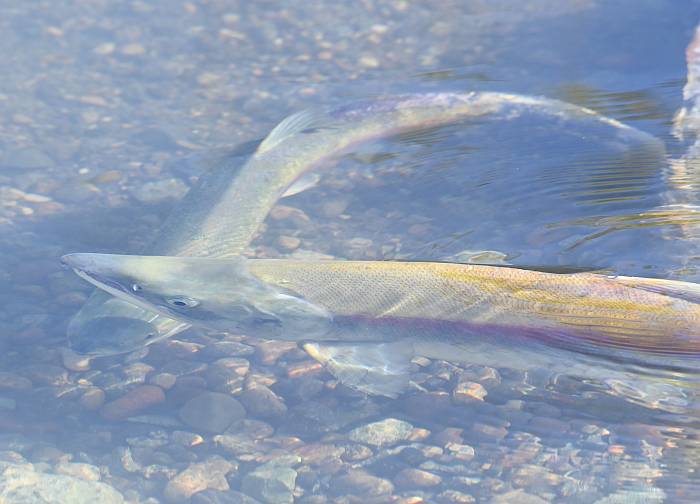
{"type": "Point", "coordinates": [456, 312]}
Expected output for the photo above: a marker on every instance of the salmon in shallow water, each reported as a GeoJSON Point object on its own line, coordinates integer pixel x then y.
{"type": "Point", "coordinates": [377, 314]}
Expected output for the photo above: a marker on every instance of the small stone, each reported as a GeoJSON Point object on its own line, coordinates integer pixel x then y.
{"type": "Point", "coordinates": [271, 483]}
{"type": "Point", "coordinates": [20, 483]}
{"type": "Point", "coordinates": [210, 474]}
{"type": "Point", "coordinates": [305, 368]}
{"type": "Point", "coordinates": [163, 380]}
{"type": "Point", "coordinates": [211, 412]}
{"type": "Point", "coordinates": [268, 352]}
{"type": "Point", "coordinates": [108, 177]}
{"type": "Point", "coordinates": [133, 402]}
{"type": "Point", "coordinates": [85, 472]}
{"type": "Point", "coordinates": [104, 49]}
{"type": "Point", "coordinates": [409, 479]}
{"type": "Point", "coordinates": [455, 497]}
{"type": "Point", "coordinates": [467, 392]}
{"type": "Point", "coordinates": [92, 399]}
{"type": "Point", "coordinates": [133, 49]}
{"type": "Point", "coordinates": [517, 497]}
{"type": "Point", "coordinates": [386, 432]}
{"type": "Point", "coordinates": [209, 79]}
{"type": "Point", "coordinates": [187, 439]}
{"type": "Point", "coordinates": [288, 242]}
{"type": "Point", "coordinates": [369, 61]}
{"type": "Point", "coordinates": [159, 191]}
{"type": "Point", "coordinates": [227, 349]}
{"type": "Point", "coordinates": [360, 482]}
{"type": "Point", "coordinates": [296, 216]}
{"type": "Point", "coordinates": [460, 451]}
{"type": "Point", "coordinates": [489, 432]}
{"type": "Point", "coordinates": [262, 402]}
{"type": "Point", "coordinates": [46, 374]}
{"type": "Point", "coordinates": [74, 361]}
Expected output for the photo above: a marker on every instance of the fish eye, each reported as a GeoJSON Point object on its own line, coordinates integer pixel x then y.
{"type": "Point", "coordinates": [136, 287]}
{"type": "Point", "coordinates": [182, 302]}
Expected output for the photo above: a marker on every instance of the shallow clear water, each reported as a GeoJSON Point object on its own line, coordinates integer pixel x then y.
{"type": "Point", "coordinates": [110, 112]}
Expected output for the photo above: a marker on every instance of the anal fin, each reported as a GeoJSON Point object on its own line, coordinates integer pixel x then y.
{"type": "Point", "coordinates": [372, 368]}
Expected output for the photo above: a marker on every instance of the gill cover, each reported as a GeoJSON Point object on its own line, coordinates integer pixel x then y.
{"type": "Point", "coordinates": [213, 293]}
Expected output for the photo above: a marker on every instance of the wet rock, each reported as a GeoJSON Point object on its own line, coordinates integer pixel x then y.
{"type": "Point", "coordinates": [460, 451]}
{"type": "Point", "coordinates": [262, 402]}
{"type": "Point", "coordinates": [386, 432]}
{"type": "Point", "coordinates": [360, 482]}
{"type": "Point", "coordinates": [455, 497]}
{"type": "Point", "coordinates": [271, 483]}
{"type": "Point", "coordinates": [227, 375]}
{"type": "Point", "coordinates": [227, 349]}
{"type": "Point", "coordinates": [46, 374]}
{"type": "Point", "coordinates": [160, 190]}
{"type": "Point", "coordinates": [74, 361]}
{"type": "Point", "coordinates": [409, 479]}
{"type": "Point", "coordinates": [163, 380]}
{"type": "Point", "coordinates": [466, 392]}
{"type": "Point", "coordinates": [210, 474]}
{"type": "Point", "coordinates": [517, 497]}
{"type": "Point", "coordinates": [22, 484]}
{"type": "Point", "coordinates": [211, 412]}
{"type": "Point", "coordinates": [133, 402]}
{"type": "Point", "coordinates": [288, 243]}
{"type": "Point", "coordinates": [488, 432]}
{"type": "Point", "coordinates": [79, 470]}
{"type": "Point", "coordinates": [268, 352]}
{"type": "Point", "coordinates": [218, 497]}
{"type": "Point", "coordinates": [187, 439]}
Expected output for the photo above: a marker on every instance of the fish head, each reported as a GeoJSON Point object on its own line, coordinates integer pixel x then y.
{"type": "Point", "coordinates": [219, 294]}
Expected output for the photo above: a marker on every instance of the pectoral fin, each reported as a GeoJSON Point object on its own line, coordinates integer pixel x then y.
{"type": "Point", "coordinates": [303, 183]}
{"type": "Point", "coordinates": [373, 368]}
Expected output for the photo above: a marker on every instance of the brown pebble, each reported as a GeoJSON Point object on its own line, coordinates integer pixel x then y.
{"type": "Point", "coordinates": [409, 479]}
{"type": "Point", "coordinates": [448, 435]}
{"type": "Point", "coordinates": [467, 392]}
{"type": "Point", "coordinates": [199, 476]}
{"type": "Point", "coordinates": [268, 352]}
{"type": "Point", "coordinates": [260, 401]}
{"type": "Point", "coordinates": [455, 497]}
{"type": "Point", "coordinates": [108, 177]}
{"type": "Point", "coordinates": [133, 402]}
{"type": "Point", "coordinates": [296, 216]}
{"type": "Point", "coordinates": [288, 242]}
{"type": "Point", "coordinates": [163, 380]}
{"type": "Point", "coordinates": [304, 368]}
{"type": "Point", "coordinates": [92, 399]}
{"type": "Point", "coordinates": [74, 361]}
{"type": "Point", "coordinates": [360, 482]}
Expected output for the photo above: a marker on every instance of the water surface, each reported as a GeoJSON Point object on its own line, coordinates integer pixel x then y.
{"type": "Point", "coordinates": [111, 111]}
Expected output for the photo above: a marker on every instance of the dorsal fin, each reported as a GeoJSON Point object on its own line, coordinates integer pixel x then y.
{"type": "Point", "coordinates": [310, 119]}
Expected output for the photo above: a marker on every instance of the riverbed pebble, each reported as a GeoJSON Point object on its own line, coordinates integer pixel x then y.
{"type": "Point", "coordinates": [211, 412]}
{"type": "Point", "coordinates": [271, 483]}
{"type": "Point", "coordinates": [133, 402]}
{"type": "Point", "coordinates": [209, 474]}
{"type": "Point", "coordinates": [385, 432]}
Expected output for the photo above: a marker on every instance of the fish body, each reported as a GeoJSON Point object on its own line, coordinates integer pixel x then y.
{"type": "Point", "coordinates": [392, 311]}
{"type": "Point", "coordinates": [221, 214]}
